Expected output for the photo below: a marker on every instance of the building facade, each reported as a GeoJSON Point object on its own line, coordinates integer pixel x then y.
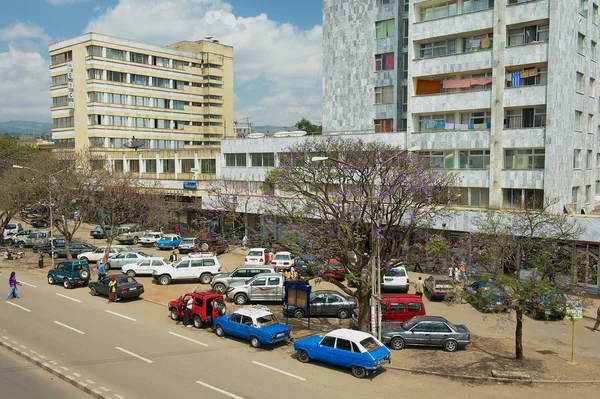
{"type": "Point", "coordinates": [153, 111]}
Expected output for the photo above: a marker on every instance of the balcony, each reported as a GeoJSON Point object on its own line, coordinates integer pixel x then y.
{"type": "Point", "coordinates": [458, 101]}
{"type": "Point", "coordinates": [203, 129]}
{"type": "Point", "coordinates": [531, 53]}
{"type": "Point", "coordinates": [533, 10]}
{"type": "Point", "coordinates": [531, 137]}
{"type": "Point", "coordinates": [474, 177]}
{"type": "Point", "coordinates": [453, 25]}
{"type": "Point", "coordinates": [203, 91]}
{"type": "Point", "coordinates": [472, 61]}
{"type": "Point", "coordinates": [523, 96]}
{"type": "Point", "coordinates": [473, 139]}
{"type": "Point", "coordinates": [533, 179]}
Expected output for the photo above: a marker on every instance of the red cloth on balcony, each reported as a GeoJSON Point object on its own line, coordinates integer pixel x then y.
{"type": "Point", "coordinates": [486, 80]}
{"type": "Point", "coordinates": [457, 83]}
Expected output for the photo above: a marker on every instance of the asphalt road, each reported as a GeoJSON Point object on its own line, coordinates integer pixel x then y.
{"type": "Point", "coordinates": [133, 350]}
{"type": "Point", "coordinates": [20, 379]}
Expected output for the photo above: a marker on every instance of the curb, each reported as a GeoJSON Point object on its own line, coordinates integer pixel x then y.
{"type": "Point", "coordinates": [492, 379]}
{"type": "Point", "coordinates": [155, 302]}
{"type": "Point", "coordinates": [57, 372]}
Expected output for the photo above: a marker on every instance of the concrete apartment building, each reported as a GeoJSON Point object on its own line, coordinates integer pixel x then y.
{"type": "Point", "coordinates": [177, 101]}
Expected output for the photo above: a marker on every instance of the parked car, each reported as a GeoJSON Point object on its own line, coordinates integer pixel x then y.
{"type": "Point", "coordinates": [149, 239]}
{"type": "Point", "coordinates": [396, 279]}
{"type": "Point", "coordinates": [70, 273]}
{"type": "Point", "coordinates": [169, 241]}
{"type": "Point", "coordinates": [206, 307]}
{"type": "Point", "coordinates": [427, 331]}
{"type": "Point", "coordinates": [215, 246]}
{"type": "Point", "coordinates": [188, 244]}
{"type": "Point", "coordinates": [127, 287]}
{"type": "Point", "coordinates": [487, 296]}
{"type": "Point", "coordinates": [143, 267]}
{"type": "Point", "coordinates": [324, 303]}
{"type": "Point", "coordinates": [34, 238]}
{"type": "Point", "coordinates": [366, 272]}
{"type": "Point", "coordinates": [397, 308]}
{"type": "Point", "coordinates": [201, 268]}
{"type": "Point", "coordinates": [11, 238]}
{"type": "Point", "coordinates": [12, 228]}
{"type": "Point", "coordinates": [221, 281]}
{"type": "Point", "coordinates": [357, 350]}
{"type": "Point", "coordinates": [255, 257]}
{"type": "Point", "coordinates": [262, 287]}
{"type": "Point", "coordinates": [98, 253]}
{"type": "Point", "coordinates": [551, 305]}
{"type": "Point", "coordinates": [282, 260]}
{"type": "Point", "coordinates": [39, 222]}
{"type": "Point", "coordinates": [98, 232]}
{"type": "Point", "coordinates": [257, 325]}
{"type": "Point", "coordinates": [116, 261]}
{"type": "Point", "coordinates": [46, 247]}
{"type": "Point", "coordinates": [335, 270]}
{"type": "Point", "coordinates": [75, 248]}
{"type": "Point", "coordinates": [303, 267]}
{"type": "Point", "coordinates": [129, 234]}
{"type": "Point", "coordinates": [439, 287]}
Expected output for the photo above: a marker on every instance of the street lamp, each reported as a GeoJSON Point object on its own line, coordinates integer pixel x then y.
{"type": "Point", "coordinates": [49, 176]}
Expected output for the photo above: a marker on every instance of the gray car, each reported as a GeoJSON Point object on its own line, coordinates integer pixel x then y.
{"type": "Point", "coordinates": [427, 331]}
{"type": "Point", "coordinates": [125, 258]}
{"type": "Point", "coordinates": [439, 287]}
{"type": "Point", "coordinates": [324, 303]}
{"type": "Point", "coordinates": [221, 281]}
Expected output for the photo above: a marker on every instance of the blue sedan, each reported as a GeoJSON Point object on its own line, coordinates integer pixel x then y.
{"type": "Point", "coordinates": [357, 350]}
{"type": "Point", "coordinates": [257, 325]}
{"type": "Point", "coordinates": [169, 241]}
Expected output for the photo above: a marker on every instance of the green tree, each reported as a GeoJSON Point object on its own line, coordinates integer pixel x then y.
{"type": "Point", "coordinates": [308, 127]}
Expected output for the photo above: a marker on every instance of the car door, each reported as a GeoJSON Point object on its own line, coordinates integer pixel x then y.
{"type": "Point", "coordinates": [317, 304]}
{"type": "Point", "coordinates": [342, 353]}
{"type": "Point", "coordinates": [103, 287]}
{"type": "Point", "coordinates": [182, 269]}
{"type": "Point", "coordinates": [324, 350]}
{"type": "Point", "coordinates": [131, 258]}
{"type": "Point", "coordinates": [59, 272]}
{"type": "Point", "coordinates": [231, 326]}
{"type": "Point", "coordinates": [245, 327]}
{"type": "Point", "coordinates": [439, 333]}
{"type": "Point", "coordinates": [147, 270]}
{"type": "Point", "coordinates": [144, 267]}
{"type": "Point", "coordinates": [97, 254]}
{"type": "Point", "coordinates": [420, 334]}
{"type": "Point", "coordinates": [274, 289]}
{"type": "Point", "coordinates": [195, 269]}
{"type": "Point", "coordinates": [257, 289]}
{"type": "Point", "coordinates": [334, 303]}
{"type": "Point", "coordinates": [237, 275]}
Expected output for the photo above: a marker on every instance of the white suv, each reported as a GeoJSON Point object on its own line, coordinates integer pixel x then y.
{"type": "Point", "coordinates": [98, 253]}
{"type": "Point", "coordinates": [255, 257]}
{"type": "Point", "coordinates": [144, 267]}
{"type": "Point", "coordinates": [202, 267]}
{"type": "Point", "coordinates": [396, 279]}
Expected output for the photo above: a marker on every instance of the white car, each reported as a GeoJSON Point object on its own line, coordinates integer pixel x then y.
{"type": "Point", "coordinates": [12, 228]}
{"type": "Point", "coordinates": [282, 260]}
{"type": "Point", "coordinates": [203, 267]}
{"type": "Point", "coordinates": [149, 239]}
{"type": "Point", "coordinates": [143, 267]}
{"type": "Point", "coordinates": [98, 253]}
{"type": "Point", "coordinates": [255, 257]}
{"type": "Point", "coordinates": [124, 258]}
{"type": "Point", "coordinates": [396, 279]}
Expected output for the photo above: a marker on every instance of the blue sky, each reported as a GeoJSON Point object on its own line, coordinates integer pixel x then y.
{"type": "Point", "coordinates": [277, 48]}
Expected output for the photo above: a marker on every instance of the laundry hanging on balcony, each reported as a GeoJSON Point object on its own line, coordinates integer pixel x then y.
{"type": "Point", "coordinates": [456, 83]}
{"type": "Point", "coordinates": [483, 81]}
{"type": "Point", "coordinates": [516, 79]}
{"type": "Point", "coordinates": [428, 87]}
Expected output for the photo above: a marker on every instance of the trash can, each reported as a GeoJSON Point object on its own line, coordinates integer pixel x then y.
{"type": "Point", "coordinates": [41, 261]}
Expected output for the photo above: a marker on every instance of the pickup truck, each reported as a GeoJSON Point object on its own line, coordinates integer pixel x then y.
{"type": "Point", "coordinates": [202, 267]}
{"type": "Point", "coordinates": [129, 234]}
{"type": "Point", "coordinates": [262, 287]}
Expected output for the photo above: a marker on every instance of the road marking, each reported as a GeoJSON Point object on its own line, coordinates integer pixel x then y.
{"type": "Point", "coordinates": [43, 357]}
{"type": "Point", "coordinates": [32, 351]}
{"type": "Point", "coordinates": [22, 346]}
{"type": "Point", "coordinates": [90, 381]}
{"type": "Point", "coordinates": [68, 297]}
{"type": "Point", "coordinates": [30, 285]}
{"type": "Point", "coordinates": [64, 368]}
{"type": "Point", "coordinates": [134, 355]}
{"type": "Point", "coordinates": [279, 371]}
{"type": "Point", "coordinates": [120, 315]}
{"type": "Point", "coordinates": [18, 306]}
{"type": "Point", "coordinates": [105, 389]}
{"type": "Point", "coordinates": [77, 375]}
{"type": "Point", "coordinates": [83, 384]}
{"type": "Point", "coordinates": [204, 384]}
{"type": "Point", "coordinates": [4, 337]}
{"type": "Point", "coordinates": [53, 362]}
{"type": "Point", "coordinates": [118, 396]}
{"type": "Point", "coordinates": [189, 339]}
{"type": "Point", "coordinates": [69, 327]}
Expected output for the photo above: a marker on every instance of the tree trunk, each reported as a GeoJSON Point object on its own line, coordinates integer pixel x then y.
{"type": "Point", "coordinates": [68, 248]}
{"type": "Point", "coordinates": [519, 335]}
{"type": "Point", "coordinates": [363, 294]}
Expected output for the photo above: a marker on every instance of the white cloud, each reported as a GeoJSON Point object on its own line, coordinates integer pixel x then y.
{"type": "Point", "coordinates": [64, 2]}
{"type": "Point", "coordinates": [23, 31]}
{"type": "Point", "coordinates": [277, 66]}
{"type": "Point", "coordinates": [24, 86]}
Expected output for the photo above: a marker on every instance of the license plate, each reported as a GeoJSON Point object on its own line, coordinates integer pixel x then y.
{"type": "Point", "coordinates": [132, 289]}
{"type": "Point", "coordinates": [280, 335]}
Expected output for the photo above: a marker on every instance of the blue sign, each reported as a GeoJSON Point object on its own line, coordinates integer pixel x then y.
{"type": "Point", "coordinates": [190, 185]}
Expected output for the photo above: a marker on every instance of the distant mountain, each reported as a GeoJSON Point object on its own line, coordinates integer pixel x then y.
{"type": "Point", "coordinates": [25, 128]}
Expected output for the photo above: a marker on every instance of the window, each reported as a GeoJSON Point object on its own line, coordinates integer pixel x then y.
{"type": "Point", "coordinates": [118, 165]}
{"type": "Point", "coordinates": [526, 117]}
{"type": "Point", "coordinates": [235, 159]}
{"type": "Point", "coordinates": [592, 87]}
{"type": "Point", "coordinates": [415, 307]}
{"type": "Point", "coordinates": [178, 84]}
{"type": "Point", "coordinates": [589, 159]}
{"type": "Point", "coordinates": [134, 165]}
{"type": "Point", "coordinates": [591, 123]}
{"type": "Point", "coordinates": [64, 143]}
{"type": "Point", "coordinates": [62, 101]}
{"type": "Point", "coordinates": [595, 13]}
{"type": "Point", "coordinates": [439, 11]}
{"type": "Point", "coordinates": [528, 34]}
{"type": "Point", "coordinates": [475, 159]}
{"type": "Point", "coordinates": [138, 58]}
{"type": "Point", "coordinates": [536, 76]}
{"type": "Point", "coordinates": [96, 141]}
{"type": "Point", "coordinates": [115, 54]}
{"type": "Point", "coordinates": [438, 49]}
{"type": "Point", "coordinates": [63, 57]}
{"type": "Point", "coordinates": [382, 2]}
{"type": "Point", "coordinates": [581, 43]}
{"type": "Point", "coordinates": [208, 166]}
{"type": "Point", "coordinates": [477, 42]}
{"type": "Point", "coordinates": [583, 7]}
{"type": "Point", "coordinates": [578, 121]}
{"type": "Point", "coordinates": [476, 5]}
{"type": "Point", "coordinates": [384, 95]}
{"type": "Point", "coordinates": [178, 64]}
{"type": "Point", "coordinates": [151, 165]}
{"type": "Point", "coordinates": [180, 105]}
{"type": "Point", "coordinates": [524, 159]}
{"type": "Point", "coordinates": [59, 80]}
{"type": "Point", "coordinates": [384, 62]}
{"type": "Point", "coordinates": [397, 307]}
{"type": "Point", "coordinates": [187, 165]}
{"type": "Point", "coordinates": [140, 80]}
{"type": "Point", "coordinates": [384, 28]}
{"type": "Point", "coordinates": [274, 281]}
{"type": "Point", "coordinates": [168, 166]}
{"type": "Point", "coordinates": [588, 194]}
{"type": "Point", "coordinates": [575, 195]}
{"type": "Point", "coordinates": [576, 159]}
{"type": "Point", "coordinates": [480, 197]}
{"type": "Point", "coordinates": [161, 62]}
{"type": "Point", "coordinates": [161, 82]}
{"type": "Point", "coordinates": [383, 125]}
{"type": "Point", "coordinates": [262, 159]}
{"type": "Point", "coordinates": [476, 118]}
{"type": "Point", "coordinates": [328, 341]}
{"type": "Point", "coordinates": [343, 344]}
{"type": "Point", "coordinates": [523, 198]}
{"type": "Point", "coordinates": [59, 123]}
{"type": "Point", "coordinates": [597, 187]}
{"type": "Point", "coordinates": [94, 51]}
{"type": "Point", "coordinates": [438, 159]}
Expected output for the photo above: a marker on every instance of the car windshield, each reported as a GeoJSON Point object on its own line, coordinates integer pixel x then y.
{"type": "Point", "coordinates": [408, 324]}
{"type": "Point", "coordinates": [370, 344]}
{"type": "Point", "coordinates": [255, 253]}
{"type": "Point", "coordinates": [400, 272]}
{"type": "Point", "coordinates": [149, 235]}
{"type": "Point", "coordinates": [282, 257]}
{"type": "Point", "coordinates": [129, 280]}
{"type": "Point", "coordinates": [11, 226]}
{"type": "Point", "coordinates": [145, 255]}
{"type": "Point", "coordinates": [452, 326]}
{"type": "Point", "coordinates": [266, 320]}
{"type": "Point", "coordinates": [336, 265]}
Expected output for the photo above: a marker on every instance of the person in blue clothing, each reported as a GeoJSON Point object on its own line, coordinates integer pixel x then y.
{"type": "Point", "coordinates": [101, 270]}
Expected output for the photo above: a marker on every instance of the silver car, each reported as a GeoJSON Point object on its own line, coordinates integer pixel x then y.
{"type": "Point", "coordinates": [427, 331]}
{"type": "Point", "coordinates": [125, 258]}
{"type": "Point", "coordinates": [221, 281]}
{"type": "Point", "coordinates": [439, 287]}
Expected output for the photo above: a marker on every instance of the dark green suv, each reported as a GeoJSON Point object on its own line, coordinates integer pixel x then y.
{"type": "Point", "coordinates": [70, 273]}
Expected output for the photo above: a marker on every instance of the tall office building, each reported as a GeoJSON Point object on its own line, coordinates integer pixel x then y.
{"type": "Point", "coordinates": [156, 112]}
{"type": "Point", "coordinates": [503, 91]}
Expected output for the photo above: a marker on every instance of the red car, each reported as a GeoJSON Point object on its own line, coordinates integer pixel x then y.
{"type": "Point", "coordinates": [335, 270]}
{"type": "Point", "coordinates": [206, 307]}
{"type": "Point", "coordinates": [213, 246]}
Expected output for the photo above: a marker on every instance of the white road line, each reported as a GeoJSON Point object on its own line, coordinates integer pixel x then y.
{"type": "Point", "coordinates": [4, 337]}
{"type": "Point", "coordinates": [134, 355]}
{"type": "Point", "coordinates": [189, 339]}
{"type": "Point", "coordinates": [77, 375]}
{"type": "Point", "coordinates": [32, 351]}
{"type": "Point", "coordinates": [204, 384]}
{"type": "Point", "coordinates": [53, 362]}
{"type": "Point", "coordinates": [69, 327]}
{"type": "Point", "coordinates": [90, 381]}
{"type": "Point", "coordinates": [120, 315]}
{"type": "Point", "coordinates": [64, 368]}
{"type": "Point", "coordinates": [279, 371]}
{"type": "Point", "coordinates": [118, 396]}
{"type": "Point", "coordinates": [68, 297]}
{"type": "Point", "coordinates": [30, 285]}
{"type": "Point", "coordinates": [18, 306]}
{"type": "Point", "coordinates": [22, 346]}
{"type": "Point", "coordinates": [105, 389]}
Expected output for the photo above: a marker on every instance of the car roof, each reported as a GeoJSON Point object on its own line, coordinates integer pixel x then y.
{"type": "Point", "coordinates": [400, 296]}
{"type": "Point", "coordinates": [153, 232]}
{"type": "Point", "coordinates": [253, 312]}
{"type": "Point", "coordinates": [430, 318]}
{"type": "Point", "coordinates": [204, 293]}
{"type": "Point", "coordinates": [152, 258]}
{"type": "Point", "coordinates": [328, 292]}
{"type": "Point", "coordinates": [268, 275]}
{"type": "Point", "coordinates": [256, 267]}
{"type": "Point", "coordinates": [170, 235]}
{"type": "Point", "coordinates": [398, 267]}
{"type": "Point", "coordinates": [349, 334]}
{"type": "Point", "coordinates": [283, 253]}
{"type": "Point", "coordinates": [258, 249]}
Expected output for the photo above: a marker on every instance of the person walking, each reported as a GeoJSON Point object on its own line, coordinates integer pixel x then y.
{"type": "Point", "coordinates": [188, 312]}
{"type": "Point", "coordinates": [266, 256]}
{"type": "Point", "coordinates": [418, 266]}
{"type": "Point", "coordinates": [177, 229]}
{"type": "Point", "coordinates": [597, 325]}
{"type": "Point", "coordinates": [173, 257]}
{"type": "Point", "coordinates": [457, 274]}
{"type": "Point", "coordinates": [420, 287]}
{"type": "Point", "coordinates": [463, 269]}
{"type": "Point", "coordinates": [12, 282]}
{"type": "Point", "coordinates": [101, 270]}
{"type": "Point", "coordinates": [112, 289]}
{"type": "Point", "coordinates": [450, 272]}
{"type": "Point", "coordinates": [244, 242]}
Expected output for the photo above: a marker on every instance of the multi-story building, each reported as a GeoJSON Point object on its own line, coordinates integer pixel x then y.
{"type": "Point", "coordinates": [153, 111]}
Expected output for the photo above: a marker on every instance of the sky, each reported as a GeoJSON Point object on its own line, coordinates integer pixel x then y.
{"type": "Point", "coordinates": [276, 44]}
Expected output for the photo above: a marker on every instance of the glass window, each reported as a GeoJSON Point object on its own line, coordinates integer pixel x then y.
{"type": "Point", "coordinates": [576, 159]}
{"type": "Point", "coordinates": [580, 85]}
{"type": "Point", "coordinates": [274, 281]}
{"type": "Point", "coordinates": [579, 121]}
{"type": "Point", "coordinates": [415, 307]}
{"type": "Point", "coordinates": [168, 166]}
{"type": "Point", "coordinates": [259, 282]}
{"type": "Point", "coordinates": [397, 307]}
{"type": "Point", "coordinates": [328, 341]}
{"type": "Point", "coordinates": [384, 62]}
{"type": "Point", "coordinates": [474, 159]}
{"type": "Point", "coordinates": [94, 51]}
{"type": "Point", "coordinates": [208, 166]}
{"type": "Point", "coordinates": [150, 165]}
{"type": "Point", "coordinates": [187, 165]}
{"type": "Point", "coordinates": [265, 159]}
{"type": "Point", "coordinates": [524, 159]}
{"type": "Point", "coordinates": [343, 344]}
{"type": "Point", "coordinates": [439, 11]}
{"type": "Point", "coordinates": [384, 28]}
{"type": "Point", "coordinates": [384, 95]}
{"type": "Point", "coordinates": [383, 125]}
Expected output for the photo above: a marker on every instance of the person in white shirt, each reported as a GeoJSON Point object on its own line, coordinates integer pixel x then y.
{"type": "Point", "coordinates": [188, 311]}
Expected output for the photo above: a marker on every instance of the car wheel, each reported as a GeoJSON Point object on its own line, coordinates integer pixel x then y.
{"type": "Point", "coordinates": [206, 278]}
{"type": "Point", "coordinates": [51, 279]}
{"type": "Point", "coordinates": [66, 284]}
{"type": "Point", "coordinates": [130, 273]}
{"type": "Point", "coordinates": [397, 343]}
{"type": "Point", "coordinates": [55, 255]}
{"type": "Point", "coordinates": [220, 288]}
{"type": "Point", "coordinates": [135, 240]}
{"type": "Point", "coordinates": [450, 345]}
{"type": "Point", "coordinates": [88, 261]}
{"type": "Point", "coordinates": [197, 321]}
{"type": "Point", "coordinates": [343, 314]}
{"type": "Point", "coordinates": [86, 282]}
{"type": "Point", "coordinates": [173, 314]}
{"type": "Point", "coordinates": [21, 244]}
{"type": "Point", "coordinates": [219, 331]}
{"type": "Point", "coordinates": [298, 313]}
{"type": "Point", "coordinates": [303, 356]}
{"type": "Point", "coordinates": [84, 274]}
{"type": "Point", "coordinates": [359, 372]}
{"type": "Point", "coordinates": [164, 280]}
{"type": "Point", "coordinates": [221, 307]}
{"type": "Point", "coordinates": [93, 291]}
{"type": "Point", "coordinates": [254, 342]}
{"type": "Point", "coordinates": [240, 299]}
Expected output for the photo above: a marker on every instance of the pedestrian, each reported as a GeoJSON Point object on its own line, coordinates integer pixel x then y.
{"type": "Point", "coordinates": [286, 274]}
{"type": "Point", "coordinates": [463, 269]}
{"type": "Point", "coordinates": [244, 242]}
{"type": "Point", "coordinates": [450, 272]}
{"type": "Point", "coordinates": [173, 257]}
{"type": "Point", "coordinates": [188, 312]}
{"type": "Point", "coordinates": [177, 229]}
{"type": "Point", "coordinates": [418, 266]}
{"type": "Point", "coordinates": [101, 270]}
{"type": "Point", "coordinates": [266, 256]}
{"type": "Point", "coordinates": [597, 325]}
{"type": "Point", "coordinates": [112, 288]}
{"type": "Point", "coordinates": [457, 274]}
{"type": "Point", "coordinates": [293, 273]}
{"type": "Point", "coordinates": [41, 260]}
{"type": "Point", "coordinates": [12, 282]}
{"type": "Point", "coordinates": [420, 287]}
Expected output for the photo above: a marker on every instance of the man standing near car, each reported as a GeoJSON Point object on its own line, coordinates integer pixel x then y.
{"type": "Point", "coordinates": [419, 287]}
{"type": "Point", "coordinates": [173, 257]}
{"type": "Point", "coordinates": [597, 325]}
{"type": "Point", "coordinates": [101, 270]}
{"type": "Point", "coordinates": [188, 311]}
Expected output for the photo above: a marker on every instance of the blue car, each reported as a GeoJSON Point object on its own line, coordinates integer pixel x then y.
{"type": "Point", "coordinates": [487, 296]}
{"type": "Point", "coordinates": [257, 325]}
{"type": "Point", "coordinates": [169, 241]}
{"type": "Point", "coordinates": [352, 349]}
